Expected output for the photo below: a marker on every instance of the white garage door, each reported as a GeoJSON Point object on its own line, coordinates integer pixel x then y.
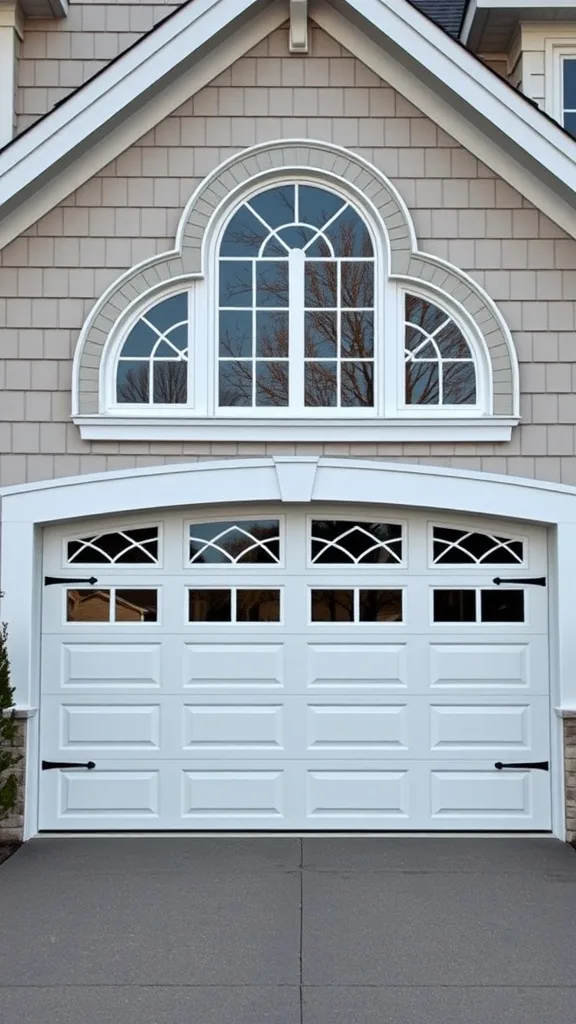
{"type": "Point", "coordinates": [340, 670]}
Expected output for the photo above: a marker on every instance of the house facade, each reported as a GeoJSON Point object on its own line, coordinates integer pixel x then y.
{"type": "Point", "coordinates": [288, 414]}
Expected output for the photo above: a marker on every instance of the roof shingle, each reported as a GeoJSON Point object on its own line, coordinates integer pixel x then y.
{"type": "Point", "coordinates": [446, 13]}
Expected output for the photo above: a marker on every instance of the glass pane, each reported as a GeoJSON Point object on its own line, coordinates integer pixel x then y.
{"type": "Point", "coordinates": [235, 383]}
{"type": "Point", "coordinates": [502, 605]}
{"type": "Point", "coordinates": [569, 83]}
{"type": "Point", "coordinates": [275, 205]}
{"type": "Point", "coordinates": [358, 335]}
{"type": "Point", "coordinates": [272, 283]}
{"type": "Point", "coordinates": [296, 236]}
{"type": "Point", "coordinates": [457, 547]}
{"type": "Point", "coordinates": [136, 606]}
{"type": "Point", "coordinates": [132, 381]}
{"type": "Point", "coordinates": [272, 383]}
{"type": "Point", "coordinates": [317, 205]}
{"type": "Point", "coordinates": [248, 540]}
{"type": "Point", "coordinates": [271, 334]}
{"type": "Point", "coordinates": [357, 285]}
{"type": "Point", "coordinates": [357, 385]}
{"type": "Point", "coordinates": [454, 606]}
{"type": "Point", "coordinates": [244, 235]}
{"type": "Point", "coordinates": [380, 606]}
{"type": "Point", "coordinates": [169, 312]}
{"type": "Point", "coordinates": [422, 384]}
{"type": "Point", "coordinates": [452, 343]}
{"type": "Point", "coordinates": [424, 314]}
{"type": "Point", "coordinates": [235, 334]}
{"type": "Point", "coordinates": [417, 343]}
{"type": "Point", "coordinates": [459, 383]}
{"type": "Point", "coordinates": [177, 338]}
{"type": "Point", "coordinates": [321, 284]}
{"type": "Point", "coordinates": [318, 249]}
{"type": "Point", "coordinates": [88, 606]}
{"type": "Point", "coordinates": [570, 124]}
{"type": "Point", "coordinates": [126, 547]}
{"type": "Point", "coordinates": [235, 283]}
{"type": "Point", "coordinates": [258, 606]}
{"type": "Point", "coordinates": [140, 341]}
{"type": "Point", "coordinates": [337, 541]}
{"type": "Point", "coordinates": [274, 247]}
{"type": "Point", "coordinates": [170, 382]}
{"type": "Point", "coordinates": [209, 606]}
{"type": "Point", "coordinates": [332, 606]}
{"type": "Point", "coordinates": [320, 382]}
{"type": "Point", "coordinates": [321, 334]}
{"type": "Point", "coordinates": [349, 235]}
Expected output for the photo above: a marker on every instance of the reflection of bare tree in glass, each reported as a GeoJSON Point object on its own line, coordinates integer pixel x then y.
{"type": "Point", "coordinates": [170, 383]}
{"type": "Point", "coordinates": [423, 377]}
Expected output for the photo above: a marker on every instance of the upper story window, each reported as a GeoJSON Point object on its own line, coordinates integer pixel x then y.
{"type": "Point", "coordinates": [569, 93]}
{"type": "Point", "coordinates": [300, 310]}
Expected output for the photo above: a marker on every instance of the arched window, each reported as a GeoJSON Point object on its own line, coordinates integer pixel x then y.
{"type": "Point", "coordinates": [296, 303]}
{"type": "Point", "coordinates": [296, 306]}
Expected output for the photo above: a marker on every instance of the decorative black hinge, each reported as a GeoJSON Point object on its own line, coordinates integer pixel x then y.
{"type": "Point", "coordinates": [49, 581]}
{"type": "Point", "coordinates": [48, 765]}
{"type": "Point", "coordinates": [542, 765]}
{"type": "Point", "coordinates": [534, 581]}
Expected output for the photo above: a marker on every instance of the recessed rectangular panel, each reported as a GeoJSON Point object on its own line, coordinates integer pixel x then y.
{"type": "Point", "coordinates": [356, 727]}
{"type": "Point", "coordinates": [233, 666]}
{"type": "Point", "coordinates": [470, 727]}
{"type": "Point", "coordinates": [232, 794]}
{"type": "Point", "coordinates": [108, 794]}
{"type": "Point", "coordinates": [114, 726]}
{"type": "Point", "coordinates": [489, 666]}
{"type": "Point", "coordinates": [233, 727]}
{"type": "Point", "coordinates": [474, 794]}
{"type": "Point", "coordinates": [356, 666]}
{"type": "Point", "coordinates": [111, 666]}
{"type": "Point", "coordinates": [357, 794]}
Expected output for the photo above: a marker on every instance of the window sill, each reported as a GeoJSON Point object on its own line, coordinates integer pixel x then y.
{"type": "Point", "coordinates": [425, 430]}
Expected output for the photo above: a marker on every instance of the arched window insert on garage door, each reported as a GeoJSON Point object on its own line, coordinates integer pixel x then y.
{"type": "Point", "coordinates": [452, 546]}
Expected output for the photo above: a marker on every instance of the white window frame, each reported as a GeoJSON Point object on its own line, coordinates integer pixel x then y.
{"type": "Point", "coordinates": [556, 50]}
{"type": "Point", "coordinates": [389, 420]}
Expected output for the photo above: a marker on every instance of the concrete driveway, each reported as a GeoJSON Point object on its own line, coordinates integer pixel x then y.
{"type": "Point", "coordinates": [284, 931]}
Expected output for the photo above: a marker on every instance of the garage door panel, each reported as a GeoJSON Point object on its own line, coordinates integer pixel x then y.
{"type": "Point", "coordinates": [109, 727]}
{"type": "Point", "coordinates": [112, 794]}
{"type": "Point", "coordinates": [468, 665]}
{"type": "Point", "coordinates": [225, 728]}
{"type": "Point", "coordinates": [481, 727]}
{"type": "Point", "coordinates": [104, 665]}
{"type": "Point", "coordinates": [248, 666]}
{"type": "Point", "coordinates": [358, 729]}
{"type": "Point", "coordinates": [357, 666]}
{"type": "Point", "coordinates": [234, 794]}
{"type": "Point", "coordinates": [489, 799]}
{"type": "Point", "coordinates": [358, 795]}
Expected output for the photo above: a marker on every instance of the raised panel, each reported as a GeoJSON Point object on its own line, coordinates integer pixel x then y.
{"type": "Point", "coordinates": [480, 727]}
{"type": "Point", "coordinates": [233, 727]}
{"type": "Point", "coordinates": [474, 794]}
{"type": "Point", "coordinates": [356, 666]}
{"type": "Point", "coordinates": [113, 727]}
{"type": "Point", "coordinates": [108, 794]}
{"type": "Point", "coordinates": [479, 666]}
{"type": "Point", "coordinates": [109, 666]}
{"type": "Point", "coordinates": [232, 794]}
{"type": "Point", "coordinates": [347, 727]}
{"type": "Point", "coordinates": [357, 794]}
{"type": "Point", "coordinates": [233, 666]}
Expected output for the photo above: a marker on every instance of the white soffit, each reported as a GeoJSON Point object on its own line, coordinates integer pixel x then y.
{"type": "Point", "coordinates": [44, 8]}
{"type": "Point", "coordinates": [489, 24]}
{"type": "Point", "coordinates": [117, 107]}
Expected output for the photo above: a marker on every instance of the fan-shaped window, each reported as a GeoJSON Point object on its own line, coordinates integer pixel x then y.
{"type": "Point", "coordinates": [296, 296]}
{"type": "Point", "coordinates": [440, 367]}
{"type": "Point", "coordinates": [153, 361]}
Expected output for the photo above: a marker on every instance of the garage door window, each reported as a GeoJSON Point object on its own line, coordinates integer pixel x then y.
{"type": "Point", "coordinates": [469, 547]}
{"type": "Point", "coordinates": [345, 542]}
{"type": "Point", "coordinates": [122, 547]}
{"type": "Point", "coordinates": [471, 605]}
{"type": "Point", "coordinates": [235, 543]}
{"type": "Point", "coordinates": [356, 605]}
{"type": "Point", "coordinates": [113, 604]}
{"type": "Point", "coordinates": [233, 605]}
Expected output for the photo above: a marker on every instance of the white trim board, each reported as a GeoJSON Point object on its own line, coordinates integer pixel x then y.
{"type": "Point", "coordinates": [480, 111]}
{"type": "Point", "coordinates": [295, 479]}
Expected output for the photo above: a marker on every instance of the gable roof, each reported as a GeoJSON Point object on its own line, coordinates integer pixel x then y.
{"type": "Point", "coordinates": [204, 37]}
{"type": "Point", "coordinates": [447, 14]}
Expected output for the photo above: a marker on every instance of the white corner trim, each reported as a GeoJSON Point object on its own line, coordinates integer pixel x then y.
{"type": "Point", "coordinates": [298, 41]}
{"type": "Point", "coordinates": [423, 430]}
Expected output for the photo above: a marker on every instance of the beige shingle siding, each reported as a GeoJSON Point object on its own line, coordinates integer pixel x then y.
{"type": "Point", "coordinates": [57, 56]}
{"type": "Point", "coordinates": [50, 278]}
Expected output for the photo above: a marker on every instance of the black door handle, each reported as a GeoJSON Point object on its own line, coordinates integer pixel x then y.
{"type": "Point", "coordinates": [542, 765]}
{"type": "Point", "coordinates": [47, 765]}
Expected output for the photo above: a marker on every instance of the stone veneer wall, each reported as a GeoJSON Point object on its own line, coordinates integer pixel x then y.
{"type": "Point", "coordinates": [570, 777]}
{"type": "Point", "coordinates": [11, 827]}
